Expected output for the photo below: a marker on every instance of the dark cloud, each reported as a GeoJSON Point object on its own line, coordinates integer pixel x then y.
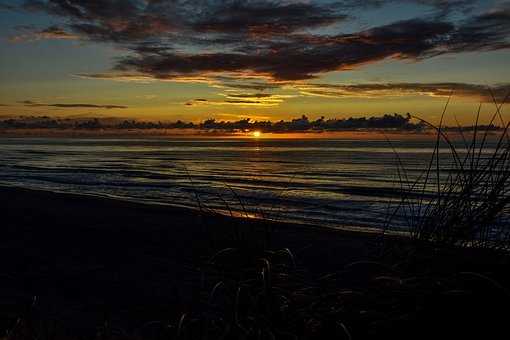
{"type": "Point", "coordinates": [93, 106]}
{"type": "Point", "coordinates": [278, 40]}
{"type": "Point", "coordinates": [475, 91]}
{"type": "Point", "coordinates": [445, 7]}
{"type": "Point", "coordinates": [106, 20]}
{"type": "Point", "coordinates": [197, 101]}
{"type": "Point", "coordinates": [27, 102]}
{"type": "Point", "coordinates": [266, 17]}
{"type": "Point", "coordinates": [488, 31]}
{"type": "Point", "coordinates": [240, 101]}
{"type": "Point", "coordinates": [30, 33]}
{"type": "Point", "coordinates": [90, 106]}
{"type": "Point", "coordinates": [86, 9]}
{"type": "Point", "coordinates": [7, 7]}
{"type": "Point", "coordinates": [304, 56]}
{"type": "Point", "coordinates": [251, 95]}
{"type": "Point", "coordinates": [135, 20]}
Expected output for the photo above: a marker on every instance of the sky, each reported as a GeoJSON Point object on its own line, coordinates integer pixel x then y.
{"type": "Point", "coordinates": [261, 59]}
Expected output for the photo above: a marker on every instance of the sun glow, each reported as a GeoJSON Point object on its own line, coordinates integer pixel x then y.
{"type": "Point", "coordinates": [257, 134]}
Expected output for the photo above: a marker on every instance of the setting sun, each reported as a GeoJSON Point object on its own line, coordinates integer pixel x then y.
{"type": "Point", "coordinates": [256, 134]}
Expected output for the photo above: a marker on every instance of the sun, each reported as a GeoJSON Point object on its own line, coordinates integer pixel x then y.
{"type": "Point", "coordinates": [257, 134]}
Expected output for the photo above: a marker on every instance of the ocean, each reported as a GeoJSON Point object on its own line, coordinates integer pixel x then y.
{"type": "Point", "coordinates": [329, 182]}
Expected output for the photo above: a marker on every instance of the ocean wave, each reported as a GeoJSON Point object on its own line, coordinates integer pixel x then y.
{"type": "Point", "coordinates": [331, 182]}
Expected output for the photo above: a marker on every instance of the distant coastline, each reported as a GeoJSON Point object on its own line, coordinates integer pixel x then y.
{"type": "Point", "coordinates": [303, 127]}
{"type": "Point", "coordinates": [108, 133]}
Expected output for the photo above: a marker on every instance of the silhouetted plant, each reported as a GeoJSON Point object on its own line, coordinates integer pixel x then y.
{"type": "Point", "coordinates": [463, 201]}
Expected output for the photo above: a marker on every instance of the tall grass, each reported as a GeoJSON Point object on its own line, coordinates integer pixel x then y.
{"type": "Point", "coordinates": [464, 199]}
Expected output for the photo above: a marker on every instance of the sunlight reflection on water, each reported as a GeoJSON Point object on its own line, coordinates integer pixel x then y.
{"type": "Point", "coordinates": [330, 182]}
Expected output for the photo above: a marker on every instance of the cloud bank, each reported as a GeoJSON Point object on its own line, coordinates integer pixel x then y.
{"type": "Point", "coordinates": [172, 39]}
{"type": "Point", "coordinates": [260, 45]}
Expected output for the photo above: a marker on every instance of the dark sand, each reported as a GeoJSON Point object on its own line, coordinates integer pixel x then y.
{"type": "Point", "coordinates": [89, 258]}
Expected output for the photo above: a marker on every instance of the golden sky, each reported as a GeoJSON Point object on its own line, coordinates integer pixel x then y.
{"type": "Point", "coordinates": [266, 60]}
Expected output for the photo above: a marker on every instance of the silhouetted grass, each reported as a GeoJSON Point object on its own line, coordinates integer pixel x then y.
{"type": "Point", "coordinates": [266, 294]}
{"type": "Point", "coordinates": [464, 199]}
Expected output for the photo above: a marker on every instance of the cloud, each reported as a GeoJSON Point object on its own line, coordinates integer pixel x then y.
{"type": "Point", "coordinates": [255, 86]}
{"type": "Point", "coordinates": [124, 77]}
{"type": "Point", "coordinates": [242, 99]}
{"type": "Point", "coordinates": [137, 77]}
{"type": "Point", "coordinates": [445, 7]}
{"type": "Point", "coordinates": [28, 33]}
{"type": "Point", "coordinates": [264, 18]}
{"type": "Point", "coordinates": [251, 95]}
{"type": "Point", "coordinates": [68, 106]}
{"type": "Point", "coordinates": [28, 103]}
{"type": "Point", "coordinates": [473, 91]}
{"type": "Point", "coordinates": [130, 20]}
{"type": "Point", "coordinates": [235, 102]}
{"type": "Point", "coordinates": [309, 55]}
{"type": "Point", "coordinates": [6, 7]}
{"type": "Point", "coordinates": [484, 32]}
{"type": "Point", "coordinates": [269, 40]}
{"type": "Point", "coordinates": [55, 32]}
{"type": "Point", "coordinates": [229, 83]}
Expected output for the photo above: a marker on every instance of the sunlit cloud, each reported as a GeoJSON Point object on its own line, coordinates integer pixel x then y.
{"type": "Point", "coordinates": [239, 99]}
{"type": "Point", "coordinates": [231, 102]}
{"type": "Point", "coordinates": [243, 81]}
{"type": "Point", "coordinates": [472, 91]}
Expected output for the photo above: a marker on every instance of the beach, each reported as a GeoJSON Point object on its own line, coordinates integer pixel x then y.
{"type": "Point", "coordinates": [84, 264]}
{"type": "Point", "coordinates": [85, 257]}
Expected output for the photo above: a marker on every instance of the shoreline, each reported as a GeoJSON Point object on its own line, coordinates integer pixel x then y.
{"type": "Point", "coordinates": [223, 213]}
